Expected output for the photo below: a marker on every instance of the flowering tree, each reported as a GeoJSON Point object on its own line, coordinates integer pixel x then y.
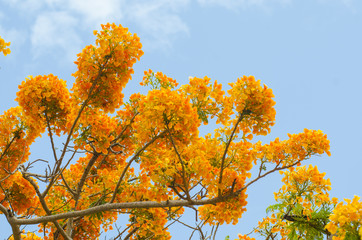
{"type": "Point", "coordinates": [144, 157]}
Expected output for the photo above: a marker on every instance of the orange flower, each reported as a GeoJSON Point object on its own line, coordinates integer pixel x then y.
{"type": "Point", "coordinates": [3, 47]}
{"type": "Point", "coordinates": [28, 236]}
{"type": "Point", "coordinates": [254, 103]}
{"type": "Point", "coordinates": [45, 98]}
{"type": "Point", "coordinates": [20, 194]}
{"type": "Point", "coordinates": [346, 218]}
{"type": "Point", "coordinates": [162, 108]}
{"type": "Point", "coordinates": [16, 135]}
{"type": "Point", "coordinates": [104, 69]}
{"type": "Point", "coordinates": [207, 98]}
{"type": "Point", "coordinates": [158, 80]}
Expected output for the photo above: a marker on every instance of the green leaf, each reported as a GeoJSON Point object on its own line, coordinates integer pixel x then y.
{"type": "Point", "coordinates": [274, 207]}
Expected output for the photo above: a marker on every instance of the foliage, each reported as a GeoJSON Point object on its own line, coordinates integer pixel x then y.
{"type": "Point", "coordinates": [144, 157]}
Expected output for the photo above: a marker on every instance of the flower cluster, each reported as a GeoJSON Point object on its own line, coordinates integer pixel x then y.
{"type": "Point", "coordinates": [28, 236]}
{"type": "Point", "coordinates": [95, 129]}
{"type": "Point", "coordinates": [15, 139]}
{"type": "Point", "coordinates": [244, 237]}
{"type": "Point", "coordinates": [157, 80]}
{"type": "Point", "coordinates": [303, 201]}
{"type": "Point", "coordinates": [104, 69]}
{"type": "Point", "coordinates": [207, 166]}
{"type": "Point", "coordinates": [346, 220]}
{"type": "Point", "coordinates": [296, 149]}
{"type": "Point", "coordinates": [271, 226]}
{"type": "Point", "coordinates": [253, 103]}
{"type": "Point", "coordinates": [20, 194]}
{"type": "Point", "coordinates": [206, 97]}
{"type": "Point", "coordinates": [45, 99]}
{"type": "Point", "coordinates": [227, 212]}
{"type": "Point", "coordinates": [305, 186]}
{"type": "Point", "coordinates": [162, 109]}
{"type": "Point", "coordinates": [4, 47]}
{"type": "Point", "coordinates": [149, 224]}
{"type": "Point", "coordinates": [96, 191]}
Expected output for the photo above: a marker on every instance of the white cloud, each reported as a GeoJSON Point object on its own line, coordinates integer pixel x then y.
{"type": "Point", "coordinates": [55, 30]}
{"type": "Point", "coordinates": [158, 20]}
{"type": "Point", "coordinates": [58, 23]}
{"type": "Point", "coordinates": [96, 11]}
{"type": "Point", "coordinates": [14, 36]}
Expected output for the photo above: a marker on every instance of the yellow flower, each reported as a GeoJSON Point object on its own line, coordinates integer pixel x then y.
{"type": "Point", "coordinates": [3, 47]}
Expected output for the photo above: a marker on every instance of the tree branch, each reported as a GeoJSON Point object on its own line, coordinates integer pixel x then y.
{"type": "Point", "coordinates": [10, 217]}
{"type": "Point", "coordinates": [245, 112]}
{"type": "Point", "coordinates": [130, 162]}
{"type": "Point", "coordinates": [51, 137]}
{"type": "Point", "coordinates": [186, 185]}
{"type": "Point", "coordinates": [85, 103]}
{"type": "Point", "coordinates": [44, 205]}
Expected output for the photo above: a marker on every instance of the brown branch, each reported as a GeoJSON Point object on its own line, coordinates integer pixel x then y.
{"type": "Point", "coordinates": [130, 162]}
{"type": "Point", "coordinates": [125, 205]}
{"type": "Point", "coordinates": [304, 219]}
{"type": "Point", "coordinates": [44, 205]}
{"type": "Point", "coordinates": [267, 173]}
{"type": "Point", "coordinates": [51, 137]}
{"type": "Point", "coordinates": [10, 217]}
{"type": "Point", "coordinates": [143, 204]}
{"type": "Point", "coordinates": [67, 185]}
{"type": "Point", "coordinates": [85, 103]}
{"type": "Point", "coordinates": [131, 233]}
{"type": "Point", "coordinates": [8, 146]}
{"type": "Point", "coordinates": [124, 129]}
{"type": "Point", "coordinates": [77, 193]}
{"type": "Point", "coordinates": [124, 230]}
{"type": "Point", "coordinates": [84, 176]}
{"type": "Point", "coordinates": [16, 169]}
{"type": "Point", "coordinates": [228, 145]}
{"type": "Point", "coordinates": [182, 164]}
{"type": "Point", "coordinates": [217, 227]}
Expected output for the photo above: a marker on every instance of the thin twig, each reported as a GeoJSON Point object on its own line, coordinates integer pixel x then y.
{"type": "Point", "coordinates": [85, 103]}
{"type": "Point", "coordinates": [228, 144]}
{"type": "Point", "coordinates": [51, 137]}
{"type": "Point", "coordinates": [130, 162]}
{"type": "Point", "coordinates": [186, 185]}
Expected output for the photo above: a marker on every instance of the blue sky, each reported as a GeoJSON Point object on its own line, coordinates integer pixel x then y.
{"type": "Point", "coordinates": [309, 52]}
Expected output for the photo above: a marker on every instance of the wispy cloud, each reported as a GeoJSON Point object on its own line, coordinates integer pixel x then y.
{"type": "Point", "coordinates": [158, 20]}
{"type": "Point", "coordinates": [54, 30]}
{"type": "Point", "coordinates": [94, 12]}
{"type": "Point", "coordinates": [59, 23]}
{"type": "Point", "coordinates": [15, 36]}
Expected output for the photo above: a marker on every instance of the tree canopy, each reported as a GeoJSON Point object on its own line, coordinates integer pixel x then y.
{"type": "Point", "coordinates": [144, 158]}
